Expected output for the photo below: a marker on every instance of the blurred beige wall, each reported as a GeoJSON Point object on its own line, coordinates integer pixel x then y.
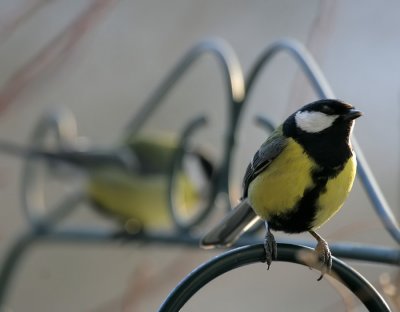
{"type": "Point", "coordinates": [103, 58]}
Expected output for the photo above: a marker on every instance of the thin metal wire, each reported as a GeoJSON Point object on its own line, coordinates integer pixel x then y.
{"type": "Point", "coordinates": [265, 122]}
{"type": "Point", "coordinates": [11, 261]}
{"type": "Point", "coordinates": [321, 86]}
{"type": "Point", "coordinates": [224, 54]}
{"type": "Point", "coordinates": [176, 166]}
{"type": "Point", "coordinates": [235, 90]}
{"type": "Point", "coordinates": [41, 227]}
{"type": "Point", "coordinates": [242, 256]}
{"type": "Point", "coordinates": [360, 252]}
{"type": "Point", "coordinates": [62, 123]}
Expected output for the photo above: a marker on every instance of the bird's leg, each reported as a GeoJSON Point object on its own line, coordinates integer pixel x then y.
{"type": "Point", "coordinates": [271, 250]}
{"type": "Point", "coordinates": [324, 254]}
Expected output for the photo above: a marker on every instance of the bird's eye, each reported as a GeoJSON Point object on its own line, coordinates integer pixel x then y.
{"type": "Point", "coordinates": [327, 110]}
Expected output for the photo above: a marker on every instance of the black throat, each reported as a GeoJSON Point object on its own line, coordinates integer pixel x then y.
{"type": "Point", "coordinates": [330, 148]}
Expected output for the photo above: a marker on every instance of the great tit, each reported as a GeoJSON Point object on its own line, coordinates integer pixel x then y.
{"type": "Point", "coordinates": [297, 180]}
{"type": "Point", "coordinates": [138, 198]}
{"type": "Point", "coordinates": [130, 182]}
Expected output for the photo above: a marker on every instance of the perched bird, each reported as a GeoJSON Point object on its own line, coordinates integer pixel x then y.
{"type": "Point", "coordinates": [297, 180]}
{"type": "Point", "coordinates": [138, 198]}
{"type": "Point", "coordinates": [130, 182]}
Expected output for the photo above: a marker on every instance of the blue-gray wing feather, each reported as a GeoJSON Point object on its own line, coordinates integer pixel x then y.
{"type": "Point", "coordinates": [268, 151]}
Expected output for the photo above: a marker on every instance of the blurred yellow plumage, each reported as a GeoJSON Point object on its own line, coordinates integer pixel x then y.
{"type": "Point", "coordinates": [142, 197]}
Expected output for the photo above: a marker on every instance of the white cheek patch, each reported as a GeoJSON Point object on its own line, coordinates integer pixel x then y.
{"type": "Point", "coordinates": [313, 122]}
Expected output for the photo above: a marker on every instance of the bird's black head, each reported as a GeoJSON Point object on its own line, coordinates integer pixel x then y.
{"type": "Point", "coordinates": [323, 128]}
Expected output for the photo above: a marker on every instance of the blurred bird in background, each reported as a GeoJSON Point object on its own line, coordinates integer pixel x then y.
{"type": "Point", "coordinates": [130, 183]}
{"type": "Point", "coordinates": [139, 198]}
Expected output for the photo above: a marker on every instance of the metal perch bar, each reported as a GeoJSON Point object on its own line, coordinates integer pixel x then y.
{"type": "Point", "coordinates": [252, 254]}
{"type": "Point", "coordinates": [323, 89]}
{"type": "Point", "coordinates": [45, 234]}
{"type": "Point", "coordinates": [360, 252]}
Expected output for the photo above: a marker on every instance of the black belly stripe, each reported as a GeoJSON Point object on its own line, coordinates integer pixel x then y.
{"type": "Point", "coordinates": [301, 217]}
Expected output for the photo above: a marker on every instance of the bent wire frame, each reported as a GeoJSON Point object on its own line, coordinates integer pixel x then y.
{"type": "Point", "coordinates": [42, 226]}
{"type": "Point", "coordinates": [62, 124]}
{"type": "Point", "coordinates": [44, 230]}
{"type": "Point", "coordinates": [176, 166]}
{"type": "Point", "coordinates": [235, 95]}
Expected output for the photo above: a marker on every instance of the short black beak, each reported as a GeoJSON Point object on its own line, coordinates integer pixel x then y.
{"type": "Point", "coordinates": [352, 114]}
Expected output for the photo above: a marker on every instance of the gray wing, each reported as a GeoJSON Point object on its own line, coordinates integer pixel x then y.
{"type": "Point", "coordinates": [243, 216]}
{"type": "Point", "coordinates": [268, 151]}
{"type": "Point", "coordinates": [225, 233]}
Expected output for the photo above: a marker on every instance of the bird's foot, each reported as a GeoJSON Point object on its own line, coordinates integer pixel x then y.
{"type": "Point", "coordinates": [324, 257]}
{"type": "Point", "coordinates": [271, 250]}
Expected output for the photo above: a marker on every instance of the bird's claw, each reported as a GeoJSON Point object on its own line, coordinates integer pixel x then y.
{"type": "Point", "coordinates": [270, 247]}
{"type": "Point", "coordinates": [324, 257]}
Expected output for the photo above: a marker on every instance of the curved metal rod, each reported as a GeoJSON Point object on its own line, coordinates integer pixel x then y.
{"type": "Point", "coordinates": [192, 127]}
{"type": "Point", "coordinates": [41, 228]}
{"type": "Point", "coordinates": [301, 56]}
{"type": "Point", "coordinates": [255, 253]}
{"type": "Point", "coordinates": [11, 262]}
{"type": "Point", "coordinates": [82, 235]}
{"type": "Point", "coordinates": [63, 124]}
{"type": "Point", "coordinates": [232, 74]}
{"type": "Point", "coordinates": [234, 78]}
{"type": "Point", "coordinates": [323, 89]}
{"type": "Point", "coordinates": [265, 123]}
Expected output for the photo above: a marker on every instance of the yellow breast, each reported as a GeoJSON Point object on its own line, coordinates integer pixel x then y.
{"type": "Point", "coordinates": [278, 188]}
{"type": "Point", "coordinates": [143, 199]}
{"type": "Point", "coordinates": [126, 197]}
{"type": "Point", "coordinates": [337, 190]}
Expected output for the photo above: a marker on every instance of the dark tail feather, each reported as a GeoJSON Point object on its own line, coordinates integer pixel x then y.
{"type": "Point", "coordinates": [237, 221]}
